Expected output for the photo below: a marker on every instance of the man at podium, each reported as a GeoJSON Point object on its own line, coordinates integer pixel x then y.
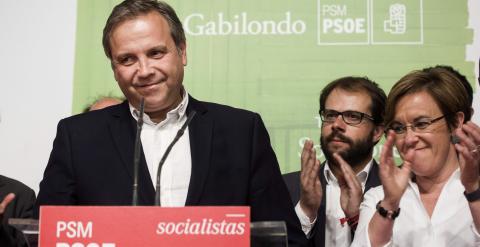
{"type": "Point", "coordinates": [224, 157]}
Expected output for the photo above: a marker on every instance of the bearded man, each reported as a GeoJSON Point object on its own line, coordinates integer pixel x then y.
{"type": "Point", "coordinates": [351, 109]}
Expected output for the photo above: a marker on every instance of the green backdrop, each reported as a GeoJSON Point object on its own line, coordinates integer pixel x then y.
{"type": "Point", "coordinates": [275, 56]}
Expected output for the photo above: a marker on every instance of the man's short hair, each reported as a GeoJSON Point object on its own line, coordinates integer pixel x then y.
{"type": "Point", "coordinates": [130, 9]}
{"type": "Point", "coordinates": [359, 84]}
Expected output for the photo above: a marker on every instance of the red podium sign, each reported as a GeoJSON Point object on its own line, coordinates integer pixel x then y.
{"type": "Point", "coordinates": [99, 226]}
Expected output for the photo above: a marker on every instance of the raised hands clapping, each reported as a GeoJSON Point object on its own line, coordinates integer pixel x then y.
{"type": "Point", "coordinates": [311, 190]}
{"type": "Point", "coordinates": [468, 149]}
{"type": "Point", "coordinates": [394, 179]}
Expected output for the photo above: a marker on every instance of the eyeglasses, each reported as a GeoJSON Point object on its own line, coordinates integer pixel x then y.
{"type": "Point", "coordinates": [420, 126]}
{"type": "Point", "coordinates": [349, 117]}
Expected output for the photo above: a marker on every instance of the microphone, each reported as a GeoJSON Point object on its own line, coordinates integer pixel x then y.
{"type": "Point", "coordinates": [136, 154]}
{"type": "Point", "coordinates": [165, 155]}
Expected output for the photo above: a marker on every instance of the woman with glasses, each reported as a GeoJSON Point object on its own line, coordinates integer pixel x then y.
{"type": "Point", "coordinates": [433, 198]}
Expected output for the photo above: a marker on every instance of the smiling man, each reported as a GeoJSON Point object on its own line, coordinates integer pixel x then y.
{"type": "Point", "coordinates": [351, 109]}
{"type": "Point", "coordinates": [224, 158]}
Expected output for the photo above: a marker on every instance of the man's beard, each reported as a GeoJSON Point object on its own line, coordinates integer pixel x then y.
{"type": "Point", "coordinates": [355, 155]}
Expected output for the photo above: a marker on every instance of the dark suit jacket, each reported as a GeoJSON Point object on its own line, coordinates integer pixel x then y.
{"type": "Point", "coordinates": [293, 184]}
{"type": "Point", "coordinates": [232, 163]}
{"type": "Point", "coordinates": [20, 207]}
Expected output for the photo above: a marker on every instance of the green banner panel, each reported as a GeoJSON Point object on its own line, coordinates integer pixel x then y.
{"type": "Point", "coordinates": [275, 56]}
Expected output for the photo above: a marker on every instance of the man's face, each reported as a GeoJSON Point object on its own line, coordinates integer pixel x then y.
{"type": "Point", "coordinates": [146, 63]}
{"type": "Point", "coordinates": [353, 143]}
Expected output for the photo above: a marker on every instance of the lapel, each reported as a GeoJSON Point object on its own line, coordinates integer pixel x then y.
{"type": "Point", "coordinates": [200, 132]}
{"type": "Point", "coordinates": [373, 179]}
{"type": "Point", "coordinates": [122, 127]}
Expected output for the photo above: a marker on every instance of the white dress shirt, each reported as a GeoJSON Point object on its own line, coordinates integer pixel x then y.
{"type": "Point", "coordinates": [176, 171]}
{"type": "Point", "coordinates": [335, 233]}
{"type": "Point", "coordinates": [451, 223]}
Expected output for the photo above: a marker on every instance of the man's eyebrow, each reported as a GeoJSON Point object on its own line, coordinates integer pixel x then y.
{"type": "Point", "coordinates": [122, 55]}
{"type": "Point", "coordinates": [162, 48]}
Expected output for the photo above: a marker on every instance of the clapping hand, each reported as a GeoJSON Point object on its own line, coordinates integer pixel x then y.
{"type": "Point", "coordinates": [469, 155]}
{"type": "Point", "coordinates": [311, 189]}
{"type": "Point", "coordinates": [394, 179]}
{"type": "Point", "coordinates": [351, 194]}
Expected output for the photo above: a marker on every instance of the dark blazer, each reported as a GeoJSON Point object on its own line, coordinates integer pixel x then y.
{"type": "Point", "coordinates": [20, 207]}
{"type": "Point", "coordinates": [293, 184]}
{"type": "Point", "coordinates": [233, 163]}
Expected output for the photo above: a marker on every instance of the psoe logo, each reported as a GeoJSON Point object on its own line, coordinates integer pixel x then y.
{"type": "Point", "coordinates": [241, 24]}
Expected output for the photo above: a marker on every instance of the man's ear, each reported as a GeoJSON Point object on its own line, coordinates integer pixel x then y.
{"type": "Point", "coordinates": [114, 70]}
{"type": "Point", "coordinates": [182, 51]}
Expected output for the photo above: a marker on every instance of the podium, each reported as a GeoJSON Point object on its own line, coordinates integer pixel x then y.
{"type": "Point", "coordinates": [28, 228]}
{"type": "Point", "coordinates": [268, 234]}
{"type": "Point", "coordinates": [257, 234]}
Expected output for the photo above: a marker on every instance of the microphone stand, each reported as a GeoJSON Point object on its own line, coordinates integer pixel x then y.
{"type": "Point", "coordinates": [165, 155]}
{"type": "Point", "coordinates": [136, 154]}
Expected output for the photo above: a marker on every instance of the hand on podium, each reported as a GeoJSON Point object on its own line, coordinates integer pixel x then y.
{"type": "Point", "coordinates": [4, 204]}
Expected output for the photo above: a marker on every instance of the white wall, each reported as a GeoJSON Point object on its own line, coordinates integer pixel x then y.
{"type": "Point", "coordinates": [37, 41]}
{"type": "Point", "coordinates": [473, 52]}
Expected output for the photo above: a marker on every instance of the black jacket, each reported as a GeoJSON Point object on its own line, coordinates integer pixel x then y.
{"type": "Point", "coordinates": [20, 207]}
{"type": "Point", "coordinates": [233, 163]}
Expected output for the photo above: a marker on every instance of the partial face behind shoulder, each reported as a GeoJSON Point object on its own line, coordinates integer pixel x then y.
{"type": "Point", "coordinates": [146, 62]}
